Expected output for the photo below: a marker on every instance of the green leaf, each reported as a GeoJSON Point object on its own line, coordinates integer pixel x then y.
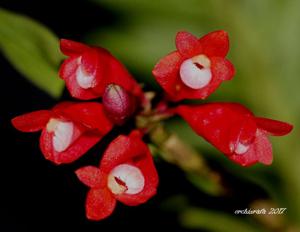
{"type": "Point", "coordinates": [32, 49]}
{"type": "Point", "coordinates": [205, 184]}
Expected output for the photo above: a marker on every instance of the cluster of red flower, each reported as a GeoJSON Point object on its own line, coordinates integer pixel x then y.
{"type": "Point", "coordinates": [127, 172]}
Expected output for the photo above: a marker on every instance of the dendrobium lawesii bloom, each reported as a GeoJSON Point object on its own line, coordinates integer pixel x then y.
{"type": "Point", "coordinates": [88, 70]}
{"type": "Point", "coordinates": [196, 68]}
{"type": "Point", "coordinates": [234, 130]}
{"type": "Point", "coordinates": [126, 173]}
{"type": "Point", "coordinates": [69, 130]}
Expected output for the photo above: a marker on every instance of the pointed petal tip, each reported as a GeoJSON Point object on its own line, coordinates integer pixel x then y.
{"type": "Point", "coordinates": [89, 175]}
{"type": "Point", "coordinates": [70, 47]}
{"type": "Point", "coordinates": [187, 44]}
{"type": "Point", "coordinates": [31, 122]}
{"type": "Point", "coordinates": [100, 204]}
{"type": "Point", "coordinates": [274, 127]}
{"type": "Point", "coordinates": [215, 43]}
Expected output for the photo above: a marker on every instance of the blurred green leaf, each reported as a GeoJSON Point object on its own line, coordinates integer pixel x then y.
{"type": "Point", "coordinates": [176, 203]}
{"type": "Point", "coordinates": [32, 49]}
{"type": "Point", "coordinates": [196, 218]}
{"type": "Point", "coordinates": [205, 184]}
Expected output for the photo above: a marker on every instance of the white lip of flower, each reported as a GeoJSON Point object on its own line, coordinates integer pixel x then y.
{"type": "Point", "coordinates": [63, 134]}
{"type": "Point", "coordinates": [195, 72]}
{"type": "Point", "coordinates": [83, 79]}
{"type": "Point", "coordinates": [240, 148]}
{"type": "Point", "coordinates": [126, 178]}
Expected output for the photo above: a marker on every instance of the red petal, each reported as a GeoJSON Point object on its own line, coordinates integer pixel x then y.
{"type": "Point", "coordinates": [91, 176]}
{"type": "Point", "coordinates": [263, 148]}
{"type": "Point", "coordinates": [100, 204]}
{"type": "Point", "coordinates": [260, 151]}
{"type": "Point", "coordinates": [222, 69]}
{"type": "Point", "coordinates": [166, 73]}
{"type": "Point", "coordinates": [148, 170]}
{"type": "Point", "coordinates": [68, 68]}
{"type": "Point", "coordinates": [69, 47]}
{"type": "Point", "coordinates": [242, 132]}
{"type": "Point", "coordinates": [215, 43]}
{"type": "Point", "coordinates": [215, 122]}
{"type": "Point", "coordinates": [68, 73]}
{"type": "Point", "coordinates": [274, 127]}
{"type": "Point", "coordinates": [187, 44]}
{"type": "Point", "coordinates": [118, 74]}
{"type": "Point", "coordinates": [32, 122]}
{"type": "Point", "coordinates": [119, 151]}
{"type": "Point", "coordinates": [89, 114]}
{"type": "Point", "coordinates": [106, 69]}
{"type": "Point", "coordinates": [90, 61]}
{"type": "Point", "coordinates": [58, 108]}
{"type": "Point", "coordinates": [166, 70]}
{"type": "Point", "coordinates": [78, 148]}
{"type": "Point", "coordinates": [132, 150]}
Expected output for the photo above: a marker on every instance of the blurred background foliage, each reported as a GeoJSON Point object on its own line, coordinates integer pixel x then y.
{"type": "Point", "coordinates": [264, 37]}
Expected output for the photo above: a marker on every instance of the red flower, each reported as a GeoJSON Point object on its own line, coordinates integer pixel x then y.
{"type": "Point", "coordinates": [68, 130]}
{"type": "Point", "coordinates": [126, 173]}
{"type": "Point", "coordinates": [197, 68]}
{"type": "Point", "coordinates": [88, 70]}
{"type": "Point", "coordinates": [235, 131]}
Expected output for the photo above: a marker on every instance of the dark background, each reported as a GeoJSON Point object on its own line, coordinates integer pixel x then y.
{"type": "Point", "coordinates": [36, 195]}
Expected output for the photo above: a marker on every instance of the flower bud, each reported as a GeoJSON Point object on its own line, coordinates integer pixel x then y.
{"type": "Point", "coordinates": [118, 103]}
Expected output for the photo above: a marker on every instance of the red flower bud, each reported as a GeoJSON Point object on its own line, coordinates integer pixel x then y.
{"type": "Point", "coordinates": [118, 103]}
{"type": "Point", "coordinates": [69, 130]}
{"type": "Point", "coordinates": [197, 68]}
{"type": "Point", "coordinates": [126, 173]}
{"type": "Point", "coordinates": [235, 131]}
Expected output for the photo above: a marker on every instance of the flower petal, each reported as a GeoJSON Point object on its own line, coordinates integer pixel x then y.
{"type": "Point", "coordinates": [274, 127]}
{"type": "Point", "coordinates": [89, 114]}
{"type": "Point", "coordinates": [166, 72]}
{"type": "Point", "coordinates": [222, 69]}
{"type": "Point", "coordinates": [68, 72]}
{"type": "Point", "coordinates": [89, 72]}
{"type": "Point", "coordinates": [146, 165]}
{"type": "Point", "coordinates": [133, 151]}
{"type": "Point", "coordinates": [32, 122]}
{"type": "Point", "coordinates": [224, 125]}
{"type": "Point", "coordinates": [167, 66]}
{"type": "Point", "coordinates": [119, 75]}
{"type": "Point", "coordinates": [120, 150]}
{"type": "Point", "coordinates": [100, 204]}
{"type": "Point", "coordinates": [213, 122]}
{"type": "Point", "coordinates": [78, 148]}
{"type": "Point", "coordinates": [215, 43]}
{"type": "Point", "coordinates": [91, 176]}
{"type": "Point", "coordinates": [187, 44]}
{"type": "Point", "coordinates": [260, 151]}
{"type": "Point", "coordinates": [70, 48]}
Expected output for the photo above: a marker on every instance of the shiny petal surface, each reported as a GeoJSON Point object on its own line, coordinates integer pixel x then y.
{"type": "Point", "coordinates": [32, 122]}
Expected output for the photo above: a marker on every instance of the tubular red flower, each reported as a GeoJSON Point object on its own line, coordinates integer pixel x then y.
{"type": "Point", "coordinates": [126, 173]}
{"type": "Point", "coordinates": [88, 70]}
{"type": "Point", "coordinates": [197, 68]}
{"type": "Point", "coordinates": [234, 130]}
{"type": "Point", "coordinates": [69, 130]}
